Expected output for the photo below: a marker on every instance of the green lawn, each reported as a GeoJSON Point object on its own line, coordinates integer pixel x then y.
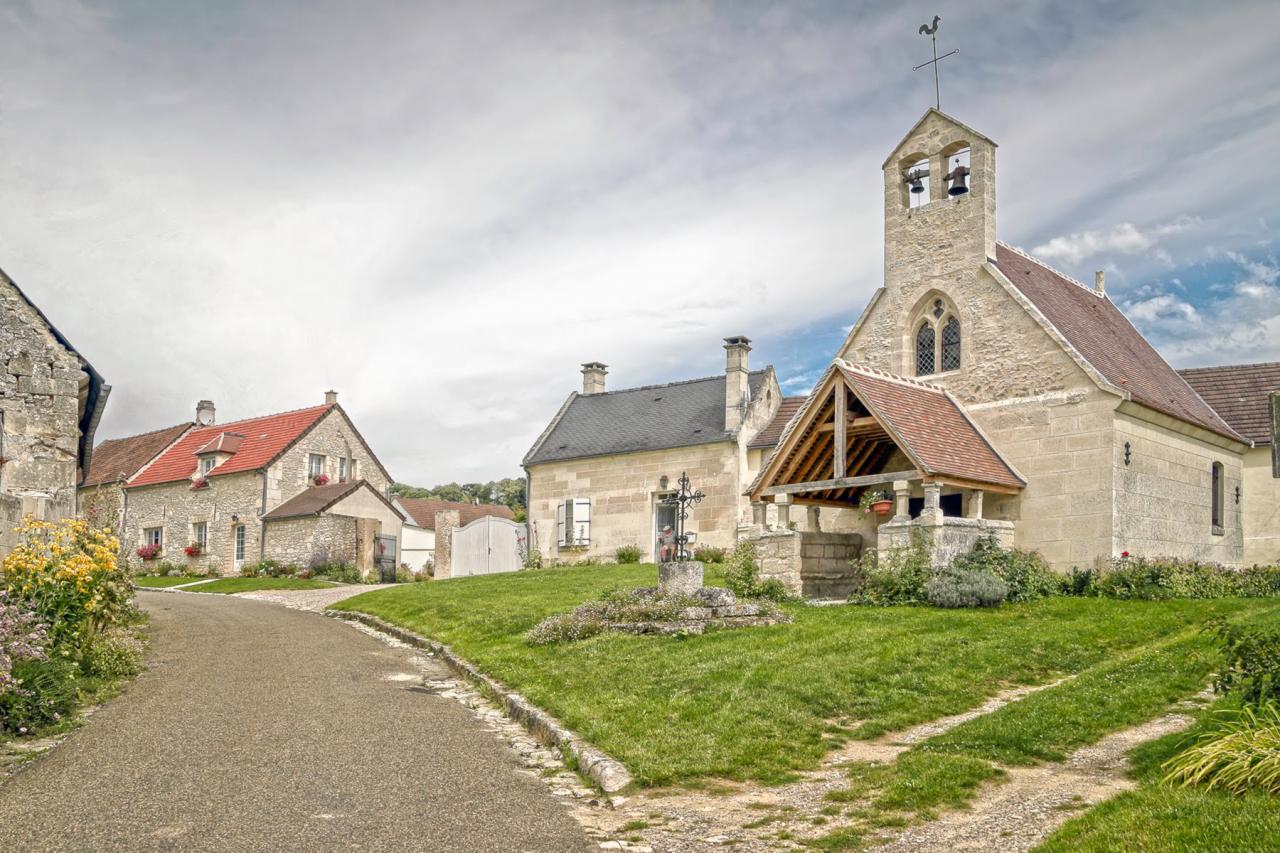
{"type": "Point", "coordinates": [151, 582]}
{"type": "Point", "coordinates": [763, 703]}
{"type": "Point", "coordinates": [226, 586]}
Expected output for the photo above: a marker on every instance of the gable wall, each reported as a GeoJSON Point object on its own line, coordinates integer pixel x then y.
{"type": "Point", "coordinates": [39, 395]}
{"type": "Point", "coordinates": [1261, 509]}
{"type": "Point", "coordinates": [331, 436]}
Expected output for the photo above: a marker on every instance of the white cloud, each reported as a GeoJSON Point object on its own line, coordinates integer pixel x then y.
{"type": "Point", "coordinates": [1123, 239]}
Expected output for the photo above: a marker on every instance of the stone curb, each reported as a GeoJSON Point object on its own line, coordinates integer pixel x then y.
{"type": "Point", "coordinates": [606, 772]}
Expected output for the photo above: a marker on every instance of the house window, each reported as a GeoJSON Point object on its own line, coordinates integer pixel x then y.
{"type": "Point", "coordinates": [573, 522]}
{"type": "Point", "coordinates": [153, 536]}
{"type": "Point", "coordinates": [200, 534]}
{"type": "Point", "coordinates": [342, 470]}
{"type": "Point", "coordinates": [951, 344]}
{"type": "Point", "coordinates": [206, 465]}
{"type": "Point", "coordinates": [1217, 483]}
{"type": "Point", "coordinates": [315, 464]}
{"type": "Point", "coordinates": [924, 349]}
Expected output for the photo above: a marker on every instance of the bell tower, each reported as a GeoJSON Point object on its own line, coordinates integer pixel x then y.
{"type": "Point", "coordinates": [939, 202]}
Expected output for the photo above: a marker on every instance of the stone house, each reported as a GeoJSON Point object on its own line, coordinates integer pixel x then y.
{"type": "Point", "coordinates": [1248, 397]}
{"type": "Point", "coordinates": [51, 400]}
{"type": "Point", "coordinates": [418, 548]}
{"type": "Point", "coordinates": [600, 469]}
{"type": "Point", "coordinates": [985, 392]}
{"type": "Point", "coordinates": [299, 487]}
{"type": "Point", "coordinates": [101, 491]}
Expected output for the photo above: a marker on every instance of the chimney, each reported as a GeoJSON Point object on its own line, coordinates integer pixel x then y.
{"type": "Point", "coordinates": [737, 389]}
{"type": "Point", "coordinates": [1100, 281]}
{"type": "Point", "coordinates": [331, 398]}
{"type": "Point", "coordinates": [593, 374]}
{"type": "Point", "coordinates": [205, 413]}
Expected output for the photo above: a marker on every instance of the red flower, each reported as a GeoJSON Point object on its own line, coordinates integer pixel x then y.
{"type": "Point", "coordinates": [321, 479]}
{"type": "Point", "coordinates": [1124, 555]}
{"type": "Point", "coordinates": [199, 483]}
{"type": "Point", "coordinates": [192, 550]}
{"type": "Point", "coordinates": [148, 552]}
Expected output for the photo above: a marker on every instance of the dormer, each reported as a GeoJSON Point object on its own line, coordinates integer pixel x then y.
{"type": "Point", "coordinates": [215, 452]}
{"type": "Point", "coordinates": [939, 198]}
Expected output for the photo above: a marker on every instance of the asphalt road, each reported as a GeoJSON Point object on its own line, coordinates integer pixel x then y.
{"type": "Point", "coordinates": [262, 728]}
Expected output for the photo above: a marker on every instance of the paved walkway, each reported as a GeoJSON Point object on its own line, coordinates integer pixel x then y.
{"type": "Point", "coordinates": [262, 728]}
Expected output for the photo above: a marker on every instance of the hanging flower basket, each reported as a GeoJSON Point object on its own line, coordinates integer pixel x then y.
{"type": "Point", "coordinates": [193, 550]}
{"type": "Point", "coordinates": [149, 552]}
{"type": "Point", "coordinates": [199, 483]}
{"type": "Point", "coordinates": [320, 479]}
{"type": "Point", "coordinates": [882, 507]}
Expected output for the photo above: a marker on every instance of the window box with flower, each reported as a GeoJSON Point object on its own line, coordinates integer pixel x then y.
{"type": "Point", "coordinates": [320, 479]}
{"type": "Point", "coordinates": [148, 552]}
{"type": "Point", "coordinates": [195, 549]}
{"type": "Point", "coordinates": [199, 483]}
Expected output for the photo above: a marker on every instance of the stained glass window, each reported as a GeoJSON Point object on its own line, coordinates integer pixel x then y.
{"type": "Point", "coordinates": [951, 344]}
{"type": "Point", "coordinates": [924, 350]}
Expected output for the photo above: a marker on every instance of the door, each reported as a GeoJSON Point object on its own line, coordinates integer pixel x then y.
{"type": "Point", "coordinates": [384, 557]}
{"type": "Point", "coordinates": [486, 546]}
{"type": "Point", "coordinates": [239, 546]}
{"type": "Point", "coordinates": [663, 516]}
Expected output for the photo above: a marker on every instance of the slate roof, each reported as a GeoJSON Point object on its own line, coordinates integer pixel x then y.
{"type": "Point", "coordinates": [929, 426]}
{"type": "Point", "coordinates": [120, 458]}
{"type": "Point", "coordinates": [1105, 338]}
{"type": "Point", "coordinates": [654, 417]}
{"type": "Point", "coordinates": [265, 438]}
{"type": "Point", "coordinates": [423, 510]}
{"type": "Point", "coordinates": [317, 499]}
{"type": "Point", "coordinates": [1239, 392]}
{"type": "Point", "coordinates": [772, 432]}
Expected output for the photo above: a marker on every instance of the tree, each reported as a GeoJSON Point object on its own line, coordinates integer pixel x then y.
{"type": "Point", "coordinates": [508, 491]}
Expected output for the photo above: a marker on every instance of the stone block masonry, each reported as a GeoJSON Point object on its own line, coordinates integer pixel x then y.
{"type": "Point", "coordinates": [814, 565]}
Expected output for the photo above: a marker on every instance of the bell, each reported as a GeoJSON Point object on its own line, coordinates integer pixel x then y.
{"type": "Point", "coordinates": [957, 176]}
{"type": "Point", "coordinates": [915, 180]}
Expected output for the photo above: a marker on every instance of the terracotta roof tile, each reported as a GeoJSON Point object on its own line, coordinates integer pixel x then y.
{"type": "Point", "coordinates": [1106, 339]}
{"type": "Point", "coordinates": [423, 510]}
{"type": "Point", "coordinates": [314, 500]}
{"type": "Point", "coordinates": [121, 458]}
{"type": "Point", "coordinates": [225, 442]}
{"type": "Point", "coordinates": [772, 432]}
{"type": "Point", "coordinates": [264, 439]}
{"type": "Point", "coordinates": [930, 425]}
{"type": "Point", "coordinates": [1239, 393]}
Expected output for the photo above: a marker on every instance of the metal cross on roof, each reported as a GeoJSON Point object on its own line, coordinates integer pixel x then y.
{"type": "Point", "coordinates": [681, 500]}
{"type": "Point", "coordinates": [932, 31]}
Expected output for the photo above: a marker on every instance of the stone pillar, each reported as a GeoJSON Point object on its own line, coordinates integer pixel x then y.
{"type": "Point", "coordinates": [901, 496]}
{"type": "Point", "coordinates": [932, 512]}
{"type": "Point", "coordinates": [679, 578]}
{"type": "Point", "coordinates": [812, 523]}
{"type": "Point", "coordinates": [447, 520]}
{"type": "Point", "coordinates": [783, 503]}
{"type": "Point", "coordinates": [759, 513]}
{"type": "Point", "coordinates": [975, 503]}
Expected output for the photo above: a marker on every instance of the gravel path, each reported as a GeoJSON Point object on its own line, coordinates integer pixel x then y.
{"type": "Point", "coordinates": [260, 728]}
{"type": "Point", "coordinates": [314, 600]}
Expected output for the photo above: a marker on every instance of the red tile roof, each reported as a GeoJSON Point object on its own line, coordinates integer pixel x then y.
{"type": "Point", "coordinates": [265, 438]}
{"type": "Point", "coordinates": [772, 432]}
{"type": "Point", "coordinates": [120, 458]}
{"type": "Point", "coordinates": [1239, 393]}
{"type": "Point", "coordinates": [1105, 338]}
{"type": "Point", "coordinates": [317, 499]}
{"type": "Point", "coordinates": [423, 510]}
{"type": "Point", "coordinates": [225, 442]}
{"type": "Point", "coordinates": [929, 426]}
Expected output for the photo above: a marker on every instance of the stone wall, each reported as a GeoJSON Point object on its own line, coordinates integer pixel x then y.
{"type": "Point", "coordinates": [176, 506]}
{"type": "Point", "coordinates": [1261, 509]}
{"type": "Point", "coordinates": [1163, 496]}
{"type": "Point", "coordinates": [333, 437]}
{"type": "Point", "coordinates": [812, 565]}
{"type": "Point", "coordinates": [312, 539]}
{"type": "Point", "coordinates": [447, 521]}
{"type": "Point", "coordinates": [946, 540]}
{"type": "Point", "coordinates": [40, 384]}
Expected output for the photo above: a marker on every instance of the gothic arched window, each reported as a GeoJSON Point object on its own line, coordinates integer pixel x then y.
{"type": "Point", "coordinates": [924, 349]}
{"type": "Point", "coordinates": [951, 344]}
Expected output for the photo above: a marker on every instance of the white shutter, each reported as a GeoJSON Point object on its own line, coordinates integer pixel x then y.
{"type": "Point", "coordinates": [560, 524]}
{"type": "Point", "coordinates": [582, 521]}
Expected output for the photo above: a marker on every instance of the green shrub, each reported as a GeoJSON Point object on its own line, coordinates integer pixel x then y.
{"type": "Point", "coordinates": [961, 588]}
{"type": "Point", "coordinates": [45, 691]}
{"type": "Point", "coordinates": [1025, 573]}
{"type": "Point", "coordinates": [1251, 662]}
{"type": "Point", "coordinates": [1163, 578]}
{"type": "Point", "coordinates": [742, 575]}
{"type": "Point", "coordinates": [897, 576]}
{"type": "Point", "coordinates": [594, 617]}
{"type": "Point", "coordinates": [564, 628]}
{"type": "Point", "coordinates": [627, 554]}
{"type": "Point", "coordinates": [113, 655]}
{"type": "Point", "coordinates": [403, 575]}
{"type": "Point", "coordinates": [1242, 754]}
{"type": "Point", "coordinates": [337, 572]}
{"type": "Point", "coordinates": [1080, 582]}
{"type": "Point", "coordinates": [708, 554]}
{"type": "Point", "coordinates": [249, 570]}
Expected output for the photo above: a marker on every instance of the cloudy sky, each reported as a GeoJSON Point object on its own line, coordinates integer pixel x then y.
{"type": "Point", "coordinates": [441, 209]}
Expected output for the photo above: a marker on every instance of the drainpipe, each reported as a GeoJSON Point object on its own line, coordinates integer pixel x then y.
{"type": "Point", "coordinates": [262, 525]}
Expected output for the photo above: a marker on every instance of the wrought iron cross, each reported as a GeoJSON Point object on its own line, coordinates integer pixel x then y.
{"type": "Point", "coordinates": [681, 500]}
{"type": "Point", "coordinates": [932, 32]}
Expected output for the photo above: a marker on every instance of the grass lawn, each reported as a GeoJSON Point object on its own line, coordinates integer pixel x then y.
{"type": "Point", "coordinates": [226, 586]}
{"type": "Point", "coordinates": [151, 582]}
{"type": "Point", "coordinates": [763, 703]}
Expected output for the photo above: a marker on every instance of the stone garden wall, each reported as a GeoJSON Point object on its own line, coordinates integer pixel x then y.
{"type": "Point", "coordinates": [814, 565]}
{"type": "Point", "coordinates": [312, 540]}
